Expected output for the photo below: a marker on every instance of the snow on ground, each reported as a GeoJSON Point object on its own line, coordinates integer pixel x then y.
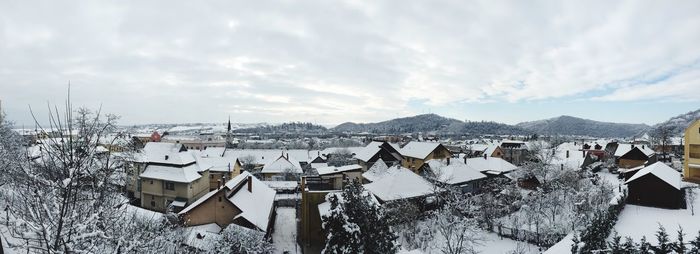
{"type": "Point", "coordinates": [285, 235]}
{"type": "Point", "coordinates": [492, 244]}
{"type": "Point", "coordinates": [637, 221]}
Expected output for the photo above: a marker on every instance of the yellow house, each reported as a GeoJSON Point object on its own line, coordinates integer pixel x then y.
{"type": "Point", "coordinates": [691, 162]}
{"type": "Point", "coordinates": [223, 173]}
{"type": "Point", "coordinates": [417, 153]}
{"type": "Point", "coordinates": [167, 186]}
{"type": "Point", "coordinates": [244, 201]}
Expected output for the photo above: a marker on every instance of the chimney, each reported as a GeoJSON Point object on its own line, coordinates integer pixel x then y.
{"type": "Point", "coordinates": [574, 142]}
{"type": "Point", "coordinates": [583, 153]}
{"type": "Point", "coordinates": [642, 146]}
{"type": "Point", "coordinates": [465, 159]}
{"type": "Point", "coordinates": [250, 184]}
{"type": "Point", "coordinates": [484, 156]}
{"type": "Point", "coordinates": [218, 184]}
{"type": "Point", "coordinates": [166, 157]}
{"type": "Point", "coordinates": [562, 166]}
{"type": "Point", "coordinates": [448, 161]}
{"type": "Point", "coordinates": [567, 153]}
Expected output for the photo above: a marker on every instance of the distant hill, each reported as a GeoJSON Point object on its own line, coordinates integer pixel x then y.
{"type": "Point", "coordinates": [429, 123]}
{"type": "Point", "coordinates": [679, 123]}
{"type": "Point", "coordinates": [569, 125]}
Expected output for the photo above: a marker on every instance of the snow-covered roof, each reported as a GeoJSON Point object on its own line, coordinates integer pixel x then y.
{"type": "Point", "coordinates": [367, 152]}
{"type": "Point", "coordinates": [376, 171]}
{"type": "Point", "coordinates": [184, 174]}
{"type": "Point", "coordinates": [493, 164]}
{"type": "Point", "coordinates": [335, 170]}
{"type": "Point", "coordinates": [455, 173]}
{"type": "Point", "coordinates": [282, 185]}
{"type": "Point", "coordinates": [216, 164]}
{"type": "Point", "coordinates": [662, 171]}
{"type": "Point", "coordinates": [283, 164]}
{"type": "Point", "coordinates": [319, 165]}
{"type": "Point", "coordinates": [255, 205]}
{"type": "Point", "coordinates": [202, 237]}
{"type": "Point", "coordinates": [400, 183]}
{"type": "Point", "coordinates": [419, 150]}
{"type": "Point", "coordinates": [622, 149]}
{"type": "Point", "coordinates": [156, 152]}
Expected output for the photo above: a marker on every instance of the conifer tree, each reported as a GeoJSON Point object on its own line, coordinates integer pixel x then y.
{"type": "Point", "coordinates": [695, 245]}
{"type": "Point", "coordinates": [644, 246]}
{"type": "Point", "coordinates": [615, 244]}
{"type": "Point", "coordinates": [629, 246]}
{"type": "Point", "coordinates": [664, 245]}
{"type": "Point", "coordinates": [342, 235]}
{"type": "Point", "coordinates": [679, 246]}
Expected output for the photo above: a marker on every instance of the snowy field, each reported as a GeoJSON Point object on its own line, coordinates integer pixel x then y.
{"type": "Point", "coordinates": [637, 221]}
{"type": "Point", "coordinates": [492, 244]}
{"type": "Point", "coordinates": [284, 237]}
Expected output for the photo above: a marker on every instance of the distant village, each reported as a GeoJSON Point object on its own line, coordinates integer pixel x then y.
{"type": "Point", "coordinates": [206, 180]}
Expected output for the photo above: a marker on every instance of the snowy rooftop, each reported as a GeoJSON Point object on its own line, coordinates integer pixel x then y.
{"type": "Point", "coordinates": [202, 237]}
{"type": "Point", "coordinates": [400, 183]}
{"type": "Point", "coordinates": [662, 171]}
{"type": "Point", "coordinates": [256, 205]}
{"type": "Point", "coordinates": [378, 170]}
{"type": "Point", "coordinates": [334, 170]}
{"type": "Point", "coordinates": [419, 150]}
{"type": "Point", "coordinates": [283, 164]}
{"type": "Point", "coordinates": [184, 174]}
{"type": "Point", "coordinates": [157, 152]}
{"type": "Point", "coordinates": [493, 164]}
{"type": "Point", "coordinates": [455, 173]}
{"type": "Point", "coordinates": [622, 149]}
{"type": "Point", "coordinates": [367, 152]}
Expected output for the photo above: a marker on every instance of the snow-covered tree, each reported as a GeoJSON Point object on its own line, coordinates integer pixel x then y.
{"type": "Point", "coordinates": [359, 212]}
{"type": "Point", "coordinates": [237, 239]}
{"type": "Point", "coordinates": [679, 245]}
{"type": "Point", "coordinates": [343, 236]}
{"type": "Point", "coordinates": [460, 234]}
{"type": "Point", "coordinates": [664, 243]}
{"type": "Point", "coordinates": [695, 245]}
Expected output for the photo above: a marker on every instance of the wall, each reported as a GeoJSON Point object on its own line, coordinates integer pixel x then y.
{"type": "Point", "coordinates": [212, 211]}
{"type": "Point", "coordinates": [692, 137]}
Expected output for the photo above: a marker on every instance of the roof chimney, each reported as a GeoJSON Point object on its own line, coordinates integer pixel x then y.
{"type": "Point", "coordinates": [218, 184]}
{"type": "Point", "coordinates": [465, 159]}
{"type": "Point", "coordinates": [567, 153]}
{"type": "Point", "coordinates": [166, 157]}
{"type": "Point", "coordinates": [250, 184]}
{"type": "Point", "coordinates": [448, 161]}
{"type": "Point", "coordinates": [484, 156]}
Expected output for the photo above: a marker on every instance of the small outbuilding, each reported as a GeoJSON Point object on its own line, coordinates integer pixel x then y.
{"type": "Point", "coordinates": [656, 185]}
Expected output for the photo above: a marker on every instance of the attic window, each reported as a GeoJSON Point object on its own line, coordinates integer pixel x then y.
{"type": "Point", "coordinates": [219, 198]}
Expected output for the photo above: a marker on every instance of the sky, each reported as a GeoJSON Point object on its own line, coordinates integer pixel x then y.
{"type": "Point", "coordinates": [329, 62]}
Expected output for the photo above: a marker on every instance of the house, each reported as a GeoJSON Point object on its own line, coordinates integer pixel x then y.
{"type": "Point", "coordinates": [376, 150]}
{"type": "Point", "coordinates": [221, 168]}
{"type": "Point", "coordinates": [514, 151]}
{"type": "Point", "coordinates": [691, 154]}
{"type": "Point", "coordinates": [283, 168]}
{"type": "Point", "coordinates": [313, 192]}
{"type": "Point", "coordinates": [198, 142]}
{"type": "Point", "coordinates": [631, 155]}
{"type": "Point", "coordinates": [456, 173]}
{"type": "Point", "coordinates": [340, 175]}
{"type": "Point", "coordinates": [656, 185]}
{"type": "Point", "coordinates": [417, 153]}
{"type": "Point", "coordinates": [168, 177]}
{"type": "Point", "coordinates": [243, 200]}
{"type": "Point", "coordinates": [375, 172]}
{"type": "Point", "coordinates": [201, 238]}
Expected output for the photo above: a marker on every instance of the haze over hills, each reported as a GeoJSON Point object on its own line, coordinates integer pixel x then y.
{"type": "Point", "coordinates": [677, 124]}
{"type": "Point", "coordinates": [569, 125]}
{"type": "Point", "coordinates": [430, 123]}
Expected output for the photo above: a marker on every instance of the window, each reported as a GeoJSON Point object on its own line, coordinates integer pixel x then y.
{"type": "Point", "coordinates": [219, 198]}
{"type": "Point", "coordinates": [694, 152]}
{"type": "Point", "coordinates": [153, 203]}
{"type": "Point", "coordinates": [169, 186]}
{"type": "Point", "coordinates": [151, 181]}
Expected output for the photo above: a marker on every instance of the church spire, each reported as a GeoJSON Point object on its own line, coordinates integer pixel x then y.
{"type": "Point", "coordinates": [229, 124]}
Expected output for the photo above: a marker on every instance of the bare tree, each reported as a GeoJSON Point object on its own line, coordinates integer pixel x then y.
{"type": "Point", "coordinates": [248, 162]}
{"type": "Point", "coordinates": [690, 197]}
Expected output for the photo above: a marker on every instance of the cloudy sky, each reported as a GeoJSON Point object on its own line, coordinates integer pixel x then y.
{"type": "Point", "coordinates": [334, 61]}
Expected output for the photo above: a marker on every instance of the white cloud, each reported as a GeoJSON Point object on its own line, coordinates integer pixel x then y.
{"type": "Point", "coordinates": [358, 60]}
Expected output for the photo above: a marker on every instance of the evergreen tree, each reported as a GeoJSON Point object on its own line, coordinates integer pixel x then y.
{"type": "Point", "coordinates": [679, 246]}
{"type": "Point", "coordinates": [695, 245]}
{"type": "Point", "coordinates": [615, 244]}
{"type": "Point", "coordinates": [644, 246]}
{"type": "Point", "coordinates": [574, 246]}
{"type": "Point", "coordinates": [665, 244]}
{"type": "Point", "coordinates": [629, 246]}
{"type": "Point", "coordinates": [342, 235]}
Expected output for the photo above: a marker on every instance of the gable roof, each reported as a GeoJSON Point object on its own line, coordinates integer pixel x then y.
{"type": "Point", "coordinates": [376, 171]}
{"type": "Point", "coordinates": [661, 171]}
{"type": "Point", "coordinates": [400, 183]}
{"type": "Point", "coordinates": [455, 173]}
{"type": "Point", "coordinates": [369, 151]}
{"type": "Point", "coordinates": [282, 164]}
{"type": "Point", "coordinates": [623, 149]}
{"type": "Point", "coordinates": [419, 150]}
{"type": "Point", "coordinates": [255, 205]}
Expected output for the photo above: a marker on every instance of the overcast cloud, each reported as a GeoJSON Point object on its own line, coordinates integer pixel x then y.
{"type": "Point", "coordinates": [336, 61]}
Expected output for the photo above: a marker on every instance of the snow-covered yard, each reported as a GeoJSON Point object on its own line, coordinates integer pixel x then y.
{"type": "Point", "coordinates": [637, 221]}
{"type": "Point", "coordinates": [492, 244]}
{"type": "Point", "coordinates": [284, 237]}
